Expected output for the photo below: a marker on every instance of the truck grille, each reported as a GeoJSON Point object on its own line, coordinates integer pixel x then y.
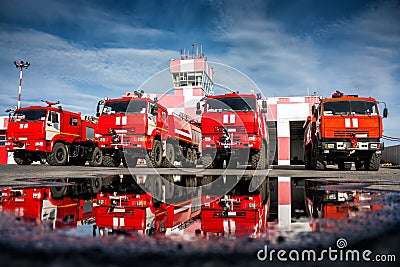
{"type": "Point", "coordinates": [347, 134]}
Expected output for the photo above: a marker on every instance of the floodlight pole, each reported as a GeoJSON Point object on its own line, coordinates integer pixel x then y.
{"type": "Point", "coordinates": [20, 65]}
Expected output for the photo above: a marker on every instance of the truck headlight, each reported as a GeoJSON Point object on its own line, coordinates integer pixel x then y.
{"type": "Point", "coordinates": [252, 138]}
{"type": "Point", "coordinates": [7, 143]}
{"type": "Point", "coordinates": [375, 146]}
{"type": "Point", "coordinates": [331, 196]}
{"type": "Point", "coordinates": [140, 139]}
{"type": "Point", "coordinates": [102, 139]}
{"type": "Point", "coordinates": [329, 146]}
{"type": "Point", "coordinates": [38, 143]}
{"type": "Point", "coordinates": [207, 139]}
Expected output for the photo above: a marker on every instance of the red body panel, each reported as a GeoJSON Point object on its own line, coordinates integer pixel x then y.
{"type": "Point", "coordinates": [240, 125]}
{"type": "Point", "coordinates": [137, 212]}
{"type": "Point", "coordinates": [246, 215]}
{"type": "Point", "coordinates": [31, 135]}
{"type": "Point", "coordinates": [37, 203]}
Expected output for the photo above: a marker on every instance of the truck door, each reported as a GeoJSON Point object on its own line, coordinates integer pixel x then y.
{"type": "Point", "coordinates": [52, 124]}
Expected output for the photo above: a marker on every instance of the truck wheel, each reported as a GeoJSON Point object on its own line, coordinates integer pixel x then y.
{"type": "Point", "coordinates": [207, 179]}
{"type": "Point", "coordinates": [344, 166]}
{"type": "Point", "coordinates": [110, 161]}
{"type": "Point", "coordinates": [156, 154]}
{"type": "Point", "coordinates": [58, 192]}
{"type": "Point", "coordinates": [168, 161]}
{"type": "Point", "coordinates": [21, 159]}
{"type": "Point", "coordinates": [154, 186]}
{"type": "Point", "coordinates": [359, 165]}
{"type": "Point", "coordinates": [320, 163]}
{"type": "Point", "coordinates": [97, 158]}
{"type": "Point", "coordinates": [191, 158]}
{"type": "Point", "coordinates": [373, 163]}
{"type": "Point", "coordinates": [257, 159]}
{"type": "Point", "coordinates": [95, 185]}
{"type": "Point", "coordinates": [169, 186]}
{"type": "Point", "coordinates": [208, 161]}
{"type": "Point", "coordinates": [58, 156]}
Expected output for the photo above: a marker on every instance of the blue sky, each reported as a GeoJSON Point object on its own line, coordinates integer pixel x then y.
{"type": "Point", "coordinates": [81, 51]}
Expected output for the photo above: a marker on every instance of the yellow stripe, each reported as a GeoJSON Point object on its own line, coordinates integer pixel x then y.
{"type": "Point", "coordinates": [159, 128]}
{"type": "Point", "coordinates": [161, 213]}
{"type": "Point", "coordinates": [52, 131]}
{"type": "Point", "coordinates": [187, 140]}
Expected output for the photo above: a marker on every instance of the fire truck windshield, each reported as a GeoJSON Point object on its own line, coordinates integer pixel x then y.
{"type": "Point", "coordinates": [352, 107]}
{"type": "Point", "coordinates": [29, 115]}
{"type": "Point", "coordinates": [128, 107]}
{"type": "Point", "coordinates": [230, 104]}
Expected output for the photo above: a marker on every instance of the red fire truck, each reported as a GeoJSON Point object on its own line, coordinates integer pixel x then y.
{"type": "Point", "coordinates": [129, 208]}
{"type": "Point", "coordinates": [46, 133]}
{"type": "Point", "coordinates": [38, 203]}
{"type": "Point", "coordinates": [141, 128]}
{"type": "Point", "coordinates": [239, 212]}
{"type": "Point", "coordinates": [234, 130]}
{"type": "Point", "coordinates": [344, 129]}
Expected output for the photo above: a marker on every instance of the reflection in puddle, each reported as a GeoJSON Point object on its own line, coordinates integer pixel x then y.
{"type": "Point", "coordinates": [193, 207]}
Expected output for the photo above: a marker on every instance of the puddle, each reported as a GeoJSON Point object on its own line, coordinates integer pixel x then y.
{"type": "Point", "coordinates": [116, 216]}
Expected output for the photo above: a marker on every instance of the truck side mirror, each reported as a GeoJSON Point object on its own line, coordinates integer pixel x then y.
{"type": "Point", "coordinates": [154, 110]}
{"type": "Point", "coordinates": [385, 112]}
{"type": "Point", "coordinates": [101, 102]}
{"type": "Point", "coordinates": [198, 108]}
{"type": "Point", "coordinates": [264, 104]}
{"type": "Point", "coordinates": [313, 110]}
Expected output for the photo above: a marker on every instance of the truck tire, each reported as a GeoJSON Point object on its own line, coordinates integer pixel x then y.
{"type": "Point", "coordinates": [190, 160]}
{"type": "Point", "coordinates": [21, 158]}
{"type": "Point", "coordinates": [97, 158]}
{"type": "Point", "coordinates": [359, 165]}
{"type": "Point", "coordinates": [110, 161]}
{"type": "Point", "coordinates": [153, 185]}
{"type": "Point", "coordinates": [344, 166]}
{"type": "Point", "coordinates": [206, 179]}
{"type": "Point", "coordinates": [257, 159]}
{"type": "Point", "coordinates": [58, 156]}
{"type": "Point", "coordinates": [169, 186]}
{"type": "Point", "coordinates": [58, 192]}
{"type": "Point", "coordinates": [209, 162]}
{"type": "Point", "coordinates": [373, 163]}
{"type": "Point", "coordinates": [95, 185]}
{"type": "Point", "coordinates": [168, 161]}
{"type": "Point", "coordinates": [155, 154]}
{"type": "Point", "coordinates": [320, 163]}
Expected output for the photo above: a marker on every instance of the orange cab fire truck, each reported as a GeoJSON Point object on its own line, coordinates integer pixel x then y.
{"type": "Point", "coordinates": [47, 133]}
{"type": "Point", "coordinates": [234, 129]}
{"type": "Point", "coordinates": [344, 129]}
{"type": "Point", "coordinates": [141, 128]}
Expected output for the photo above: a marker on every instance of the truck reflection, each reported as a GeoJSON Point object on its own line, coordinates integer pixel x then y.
{"type": "Point", "coordinates": [122, 204]}
{"type": "Point", "coordinates": [237, 213]}
{"type": "Point", "coordinates": [58, 206]}
{"type": "Point", "coordinates": [129, 208]}
{"type": "Point", "coordinates": [329, 201]}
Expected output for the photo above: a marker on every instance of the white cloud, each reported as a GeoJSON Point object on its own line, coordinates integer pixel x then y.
{"type": "Point", "coordinates": [71, 73]}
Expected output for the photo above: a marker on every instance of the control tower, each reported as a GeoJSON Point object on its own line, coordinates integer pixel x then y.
{"type": "Point", "coordinates": [192, 79]}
